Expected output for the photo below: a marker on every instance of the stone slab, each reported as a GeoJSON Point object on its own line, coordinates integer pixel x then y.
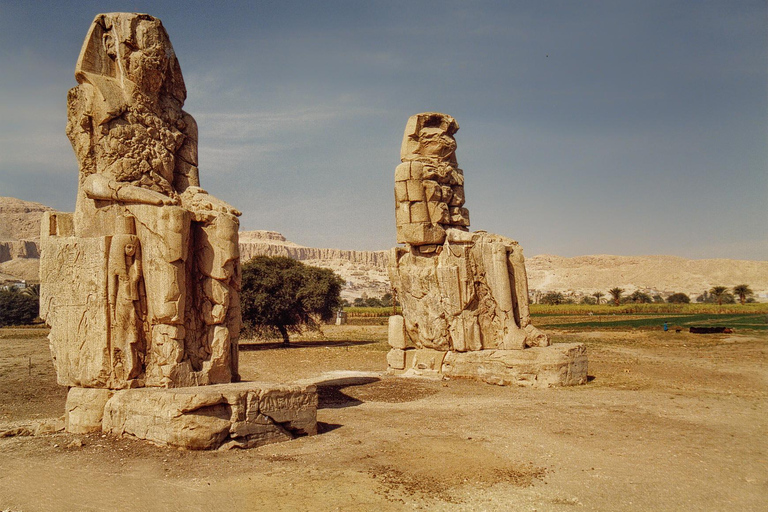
{"type": "Point", "coordinates": [244, 414]}
{"type": "Point", "coordinates": [85, 409]}
{"type": "Point", "coordinates": [561, 364]}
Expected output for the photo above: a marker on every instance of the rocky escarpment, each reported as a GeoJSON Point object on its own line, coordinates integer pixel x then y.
{"type": "Point", "coordinates": [364, 272]}
{"type": "Point", "coordinates": [19, 236]}
{"type": "Point", "coordinates": [20, 220]}
{"type": "Point", "coordinates": [272, 243]}
{"type": "Point", "coordinates": [660, 274]}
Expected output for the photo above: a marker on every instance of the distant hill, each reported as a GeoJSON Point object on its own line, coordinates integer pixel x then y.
{"type": "Point", "coordinates": [659, 274]}
{"type": "Point", "coordinates": [20, 220]}
{"type": "Point", "coordinates": [366, 271]}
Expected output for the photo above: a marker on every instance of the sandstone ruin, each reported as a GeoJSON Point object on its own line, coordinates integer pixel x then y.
{"type": "Point", "coordinates": [141, 284]}
{"type": "Point", "coordinates": [464, 294]}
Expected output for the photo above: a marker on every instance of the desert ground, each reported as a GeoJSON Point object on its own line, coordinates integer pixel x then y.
{"type": "Point", "coordinates": [668, 421]}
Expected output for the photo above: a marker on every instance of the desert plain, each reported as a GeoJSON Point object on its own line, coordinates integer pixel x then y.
{"type": "Point", "coordinates": [668, 421]}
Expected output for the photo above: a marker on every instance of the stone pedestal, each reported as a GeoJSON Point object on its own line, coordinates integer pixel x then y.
{"type": "Point", "coordinates": [242, 415]}
{"type": "Point", "coordinates": [563, 364]}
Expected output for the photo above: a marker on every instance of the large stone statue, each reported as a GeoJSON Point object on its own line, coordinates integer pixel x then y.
{"type": "Point", "coordinates": [460, 291]}
{"type": "Point", "coordinates": [139, 189]}
{"type": "Point", "coordinates": [141, 284]}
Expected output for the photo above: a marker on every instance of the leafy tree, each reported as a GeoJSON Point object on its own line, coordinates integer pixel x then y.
{"type": "Point", "coordinates": [17, 308]}
{"type": "Point", "coordinates": [598, 296]}
{"type": "Point", "coordinates": [359, 302]}
{"type": "Point", "coordinates": [718, 293]}
{"type": "Point", "coordinates": [616, 295]}
{"type": "Point", "coordinates": [553, 298]}
{"type": "Point", "coordinates": [282, 295]}
{"type": "Point", "coordinates": [639, 297]}
{"type": "Point", "coordinates": [743, 292]}
{"type": "Point", "coordinates": [589, 300]}
{"type": "Point", "coordinates": [678, 298]}
{"type": "Point", "coordinates": [658, 298]}
{"type": "Point", "coordinates": [386, 300]}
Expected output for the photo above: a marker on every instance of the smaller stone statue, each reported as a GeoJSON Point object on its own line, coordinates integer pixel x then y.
{"type": "Point", "coordinates": [462, 292]}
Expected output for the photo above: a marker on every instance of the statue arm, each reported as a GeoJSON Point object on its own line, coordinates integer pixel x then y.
{"type": "Point", "coordinates": [101, 187]}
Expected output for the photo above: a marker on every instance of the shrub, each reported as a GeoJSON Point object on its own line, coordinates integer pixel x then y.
{"type": "Point", "coordinates": [17, 308]}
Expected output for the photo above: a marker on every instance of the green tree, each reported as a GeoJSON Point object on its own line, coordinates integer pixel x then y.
{"type": "Point", "coordinates": [639, 297]}
{"type": "Point", "coordinates": [553, 298]}
{"type": "Point", "coordinates": [588, 300]}
{"type": "Point", "coordinates": [282, 295]}
{"type": "Point", "coordinates": [598, 296]}
{"type": "Point", "coordinates": [743, 292]}
{"type": "Point", "coordinates": [17, 308]}
{"type": "Point", "coordinates": [616, 295]}
{"type": "Point", "coordinates": [678, 298]}
{"type": "Point", "coordinates": [719, 294]}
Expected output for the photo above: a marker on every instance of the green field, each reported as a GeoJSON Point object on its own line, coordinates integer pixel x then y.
{"type": "Point", "coordinates": [739, 322]}
{"type": "Point", "coordinates": [627, 316]}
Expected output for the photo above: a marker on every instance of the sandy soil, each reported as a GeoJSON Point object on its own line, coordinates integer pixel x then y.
{"type": "Point", "coordinates": [668, 422]}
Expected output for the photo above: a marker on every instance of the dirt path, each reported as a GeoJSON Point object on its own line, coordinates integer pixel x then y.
{"type": "Point", "coordinates": [669, 422]}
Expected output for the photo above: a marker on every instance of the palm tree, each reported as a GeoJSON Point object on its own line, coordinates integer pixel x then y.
{"type": "Point", "coordinates": [718, 292]}
{"type": "Point", "coordinates": [743, 291]}
{"type": "Point", "coordinates": [616, 294]}
{"type": "Point", "coordinates": [598, 296]}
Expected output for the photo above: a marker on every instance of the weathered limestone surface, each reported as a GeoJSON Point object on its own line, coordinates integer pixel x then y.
{"type": "Point", "coordinates": [140, 285]}
{"type": "Point", "coordinates": [563, 364]}
{"type": "Point", "coordinates": [85, 409]}
{"type": "Point", "coordinates": [243, 415]}
{"type": "Point", "coordinates": [461, 291]}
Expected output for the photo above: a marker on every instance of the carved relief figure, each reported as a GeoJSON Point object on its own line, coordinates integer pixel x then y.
{"type": "Point", "coordinates": [460, 291]}
{"type": "Point", "coordinates": [127, 304]}
{"type": "Point", "coordinates": [137, 151]}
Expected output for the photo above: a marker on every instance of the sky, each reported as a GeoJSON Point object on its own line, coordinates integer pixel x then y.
{"type": "Point", "coordinates": [591, 127]}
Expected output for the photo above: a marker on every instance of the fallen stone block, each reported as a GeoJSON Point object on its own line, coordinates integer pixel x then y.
{"type": "Point", "coordinates": [245, 414]}
{"type": "Point", "coordinates": [562, 364]}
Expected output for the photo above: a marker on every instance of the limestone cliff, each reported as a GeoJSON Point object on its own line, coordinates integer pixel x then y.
{"type": "Point", "coordinates": [365, 271]}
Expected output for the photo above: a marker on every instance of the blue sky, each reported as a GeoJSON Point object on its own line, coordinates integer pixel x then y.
{"type": "Point", "coordinates": [588, 127]}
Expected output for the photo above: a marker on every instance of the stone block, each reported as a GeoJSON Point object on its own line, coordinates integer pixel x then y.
{"type": "Point", "coordinates": [403, 172]}
{"type": "Point", "coordinates": [415, 190]}
{"type": "Point", "coordinates": [396, 359]}
{"type": "Point", "coordinates": [423, 233]}
{"type": "Point", "coordinates": [427, 362]}
{"type": "Point", "coordinates": [419, 212]}
{"type": "Point", "coordinates": [562, 364]}
{"type": "Point", "coordinates": [403, 213]}
{"type": "Point", "coordinates": [85, 409]}
{"type": "Point", "coordinates": [401, 191]}
{"type": "Point", "coordinates": [396, 334]}
{"type": "Point", "coordinates": [244, 414]}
